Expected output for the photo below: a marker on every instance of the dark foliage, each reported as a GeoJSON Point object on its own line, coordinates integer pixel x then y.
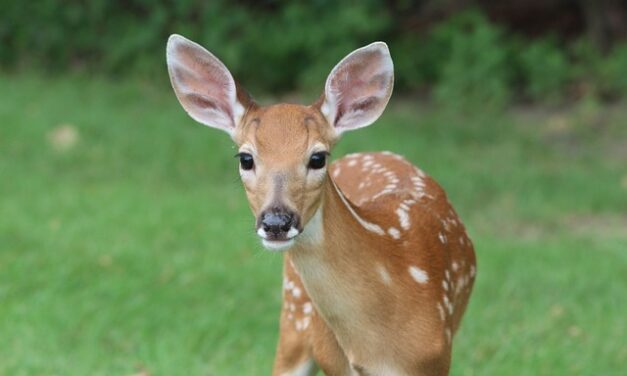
{"type": "Point", "coordinates": [457, 50]}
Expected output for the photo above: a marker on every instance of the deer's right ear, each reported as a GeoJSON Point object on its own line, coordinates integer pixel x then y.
{"type": "Point", "coordinates": [203, 85]}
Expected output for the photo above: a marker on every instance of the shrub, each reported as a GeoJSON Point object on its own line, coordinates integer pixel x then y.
{"type": "Point", "coordinates": [277, 45]}
{"type": "Point", "coordinates": [613, 72]}
{"type": "Point", "coordinates": [291, 49]}
{"type": "Point", "coordinates": [418, 61]}
{"type": "Point", "coordinates": [545, 70]}
{"type": "Point", "coordinates": [475, 69]}
{"type": "Point", "coordinates": [598, 75]}
{"type": "Point", "coordinates": [280, 45]}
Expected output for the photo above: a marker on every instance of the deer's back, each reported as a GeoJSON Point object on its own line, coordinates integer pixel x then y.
{"type": "Point", "coordinates": [425, 238]}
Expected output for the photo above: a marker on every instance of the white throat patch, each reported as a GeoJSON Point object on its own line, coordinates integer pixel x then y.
{"type": "Point", "coordinates": [313, 233]}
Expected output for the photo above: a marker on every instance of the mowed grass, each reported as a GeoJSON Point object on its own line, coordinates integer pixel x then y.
{"type": "Point", "coordinates": [126, 243]}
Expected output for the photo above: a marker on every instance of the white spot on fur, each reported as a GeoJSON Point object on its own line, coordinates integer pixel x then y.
{"type": "Point", "coordinates": [307, 308]}
{"type": "Point", "coordinates": [441, 311]}
{"type": "Point", "coordinates": [461, 281]}
{"type": "Point", "coordinates": [442, 238]}
{"type": "Point", "coordinates": [352, 163]}
{"type": "Point", "coordinates": [296, 292]}
{"type": "Point", "coordinates": [403, 218]}
{"type": "Point", "coordinates": [455, 266]}
{"type": "Point", "coordinates": [448, 304]}
{"type": "Point", "coordinates": [393, 231]}
{"type": "Point", "coordinates": [383, 273]}
{"type": "Point", "coordinates": [444, 285]}
{"type": "Point", "coordinates": [418, 274]}
{"type": "Point", "coordinates": [383, 192]}
{"type": "Point", "coordinates": [419, 184]}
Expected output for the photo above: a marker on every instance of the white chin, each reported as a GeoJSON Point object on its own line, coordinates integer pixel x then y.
{"type": "Point", "coordinates": [276, 246]}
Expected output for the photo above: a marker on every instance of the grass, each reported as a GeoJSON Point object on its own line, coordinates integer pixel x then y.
{"type": "Point", "coordinates": [126, 243]}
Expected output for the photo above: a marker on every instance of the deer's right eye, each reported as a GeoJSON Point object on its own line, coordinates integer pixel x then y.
{"type": "Point", "coordinates": [246, 161]}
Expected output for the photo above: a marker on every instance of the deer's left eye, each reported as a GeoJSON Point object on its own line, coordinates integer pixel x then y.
{"type": "Point", "coordinates": [317, 160]}
{"type": "Point", "coordinates": [246, 161]}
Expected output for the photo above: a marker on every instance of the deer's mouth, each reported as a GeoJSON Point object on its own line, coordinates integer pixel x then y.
{"type": "Point", "coordinates": [277, 241]}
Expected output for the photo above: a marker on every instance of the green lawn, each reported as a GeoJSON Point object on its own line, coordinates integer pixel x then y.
{"type": "Point", "coordinates": [126, 243]}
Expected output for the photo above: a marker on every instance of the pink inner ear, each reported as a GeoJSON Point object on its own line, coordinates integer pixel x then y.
{"type": "Point", "coordinates": [203, 78]}
{"type": "Point", "coordinates": [203, 85]}
{"type": "Point", "coordinates": [206, 103]}
{"type": "Point", "coordinates": [359, 88]}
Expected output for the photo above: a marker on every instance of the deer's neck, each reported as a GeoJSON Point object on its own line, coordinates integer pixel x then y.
{"type": "Point", "coordinates": [335, 260]}
{"type": "Point", "coordinates": [334, 233]}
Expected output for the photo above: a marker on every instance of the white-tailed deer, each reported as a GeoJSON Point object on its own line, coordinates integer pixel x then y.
{"type": "Point", "coordinates": [378, 267]}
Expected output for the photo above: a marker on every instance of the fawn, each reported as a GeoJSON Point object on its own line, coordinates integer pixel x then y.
{"type": "Point", "coordinates": [378, 268]}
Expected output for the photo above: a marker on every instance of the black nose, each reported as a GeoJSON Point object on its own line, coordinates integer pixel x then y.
{"type": "Point", "coordinates": [277, 222]}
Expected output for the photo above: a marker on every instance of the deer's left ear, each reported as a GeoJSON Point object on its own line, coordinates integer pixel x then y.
{"type": "Point", "coordinates": [358, 88]}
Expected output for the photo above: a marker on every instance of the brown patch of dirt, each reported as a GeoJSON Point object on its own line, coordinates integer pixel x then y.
{"type": "Point", "coordinates": [587, 225]}
{"type": "Point", "coordinates": [596, 224]}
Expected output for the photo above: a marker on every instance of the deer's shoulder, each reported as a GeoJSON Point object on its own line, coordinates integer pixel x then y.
{"type": "Point", "coordinates": [370, 178]}
{"type": "Point", "coordinates": [384, 184]}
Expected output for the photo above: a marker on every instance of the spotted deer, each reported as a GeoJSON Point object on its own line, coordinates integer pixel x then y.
{"type": "Point", "coordinates": [378, 268]}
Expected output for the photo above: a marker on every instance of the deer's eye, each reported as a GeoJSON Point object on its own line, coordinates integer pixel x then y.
{"type": "Point", "coordinates": [246, 161]}
{"type": "Point", "coordinates": [317, 160]}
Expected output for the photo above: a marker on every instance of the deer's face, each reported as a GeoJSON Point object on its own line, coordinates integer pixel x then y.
{"type": "Point", "coordinates": [282, 149]}
{"type": "Point", "coordinates": [283, 153]}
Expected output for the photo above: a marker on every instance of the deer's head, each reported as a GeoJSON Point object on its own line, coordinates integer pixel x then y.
{"type": "Point", "coordinates": [283, 148]}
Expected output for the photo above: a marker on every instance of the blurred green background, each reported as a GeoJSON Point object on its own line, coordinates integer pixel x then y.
{"type": "Point", "coordinates": [126, 243]}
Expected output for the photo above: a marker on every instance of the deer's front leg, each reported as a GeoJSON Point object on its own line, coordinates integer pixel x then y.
{"type": "Point", "coordinates": [293, 356]}
{"type": "Point", "coordinates": [294, 351]}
